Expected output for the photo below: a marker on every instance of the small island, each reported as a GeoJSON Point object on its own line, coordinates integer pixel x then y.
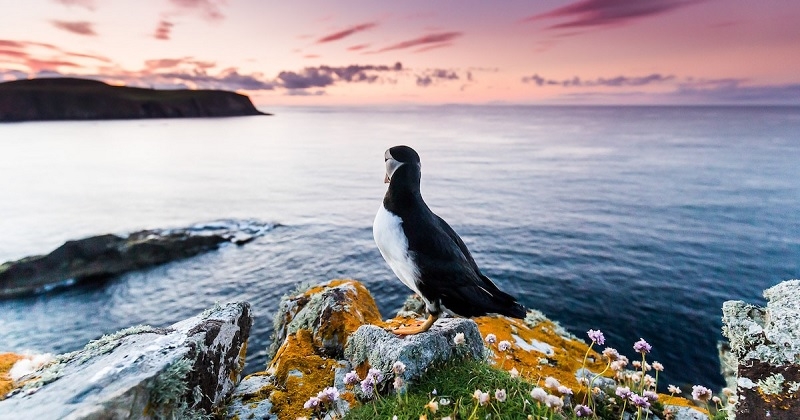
{"type": "Point", "coordinates": [49, 99]}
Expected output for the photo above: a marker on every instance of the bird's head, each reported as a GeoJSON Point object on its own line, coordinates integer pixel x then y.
{"type": "Point", "coordinates": [397, 157]}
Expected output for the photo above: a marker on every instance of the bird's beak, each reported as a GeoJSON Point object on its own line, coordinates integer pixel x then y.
{"type": "Point", "coordinates": [386, 179]}
{"type": "Point", "coordinates": [391, 167]}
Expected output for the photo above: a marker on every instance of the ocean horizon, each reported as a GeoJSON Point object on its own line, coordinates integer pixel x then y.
{"type": "Point", "coordinates": [639, 221]}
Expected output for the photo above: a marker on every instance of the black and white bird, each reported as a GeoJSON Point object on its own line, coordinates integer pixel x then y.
{"type": "Point", "coordinates": [427, 254]}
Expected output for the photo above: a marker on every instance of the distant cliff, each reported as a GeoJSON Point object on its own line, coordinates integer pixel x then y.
{"type": "Point", "coordinates": [81, 99]}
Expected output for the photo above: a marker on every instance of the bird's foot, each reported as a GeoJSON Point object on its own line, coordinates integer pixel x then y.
{"type": "Point", "coordinates": [415, 329]}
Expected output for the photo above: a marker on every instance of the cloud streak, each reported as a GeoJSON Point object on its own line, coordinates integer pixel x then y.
{"type": "Point", "coordinates": [619, 81]}
{"type": "Point", "coordinates": [324, 76]}
{"type": "Point", "coordinates": [598, 13]}
{"type": "Point", "coordinates": [78, 28]}
{"type": "Point", "coordinates": [209, 9]}
{"type": "Point", "coordinates": [163, 30]}
{"type": "Point", "coordinates": [346, 32]}
{"type": "Point", "coordinates": [87, 4]}
{"type": "Point", "coordinates": [427, 40]}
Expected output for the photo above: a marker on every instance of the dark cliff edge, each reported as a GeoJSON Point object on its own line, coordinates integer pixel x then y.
{"type": "Point", "coordinates": [82, 99]}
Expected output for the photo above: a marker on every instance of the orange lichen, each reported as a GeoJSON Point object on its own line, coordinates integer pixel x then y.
{"type": "Point", "coordinates": [7, 361]}
{"type": "Point", "coordinates": [565, 359]}
{"type": "Point", "coordinates": [300, 373]}
{"type": "Point", "coordinates": [359, 309]}
{"type": "Point", "coordinates": [239, 366]}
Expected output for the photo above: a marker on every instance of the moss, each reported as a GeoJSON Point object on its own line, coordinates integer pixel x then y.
{"type": "Point", "coordinates": [7, 361]}
{"type": "Point", "coordinates": [168, 394]}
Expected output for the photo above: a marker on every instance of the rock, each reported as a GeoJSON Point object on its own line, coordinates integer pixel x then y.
{"type": "Point", "coordinates": [250, 399]}
{"type": "Point", "coordinates": [373, 346]}
{"type": "Point", "coordinates": [330, 311]}
{"type": "Point", "coordinates": [766, 344]}
{"type": "Point", "coordinates": [100, 257]}
{"type": "Point", "coordinates": [82, 99]}
{"type": "Point", "coordinates": [183, 371]}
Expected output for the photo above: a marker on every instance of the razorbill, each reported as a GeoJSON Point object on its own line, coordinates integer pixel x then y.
{"type": "Point", "coordinates": [427, 255]}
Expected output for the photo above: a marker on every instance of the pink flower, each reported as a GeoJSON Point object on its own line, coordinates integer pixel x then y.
{"type": "Point", "coordinates": [642, 346]}
{"type": "Point", "coordinates": [500, 395]}
{"type": "Point", "coordinates": [503, 345]}
{"type": "Point", "coordinates": [701, 393]}
{"type": "Point", "coordinates": [491, 338]}
{"type": "Point", "coordinates": [596, 336]}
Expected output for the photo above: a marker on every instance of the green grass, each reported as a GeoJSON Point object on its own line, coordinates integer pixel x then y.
{"type": "Point", "coordinates": [456, 382]}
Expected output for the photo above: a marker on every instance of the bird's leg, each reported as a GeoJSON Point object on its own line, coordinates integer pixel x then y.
{"type": "Point", "coordinates": [425, 326]}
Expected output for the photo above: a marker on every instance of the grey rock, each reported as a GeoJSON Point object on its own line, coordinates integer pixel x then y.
{"type": "Point", "coordinates": [381, 348]}
{"type": "Point", "coordinates": [250, 399]}
{"type": "Point", "coordinates": [685, 413]}
{"type": "Point", "coordinates": [599, 381]}
{"type": "Point", "coordinates": [184, 371]}
{"type": "Point", "coordinates": [99, 257]}
{"type": "Point", "coordinates": [766, 345]}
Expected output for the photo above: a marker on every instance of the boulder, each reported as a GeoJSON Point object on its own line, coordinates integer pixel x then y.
{"type": "Point", "coordinates": [765, 342]}
{"type": "Point", "coordinates": [102, 256]}
{"type": "Point", "coordinates": [183, 371]}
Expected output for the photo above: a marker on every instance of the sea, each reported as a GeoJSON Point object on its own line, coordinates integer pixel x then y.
{"type": "Point", "coordinates": [637, 221]}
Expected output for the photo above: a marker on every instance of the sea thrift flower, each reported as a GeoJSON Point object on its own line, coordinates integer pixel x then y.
{"type": "Point", "coordinates": [732, 400]}
{"type": "Point", "coordinates": [444, 401]}
{"type": "Point", "coordinates": [514, 372]}
{"type": "Point", "coordinates": [477, 394]}
{"type": "Point", "coordinates": [538, 394]}
{"type": "Point", "coordinates": [368, 386]}
{"type": "Point", "coordinates": [484, 398]}
{"type": "Point", "coordinates": [376, 374]}
{"type": "Point", "coordinates": [639, 401]}
{"type": "Point", "coordinates": [551, 382]}
{"type": "Point", "coordinates": [596, 336]}
{"type": "Point", "coordinates": [351, 378]}
{"type": "Point", "coordinates": [582, 410]}
{"type": "Point", "coordinates": [701, 393]}
{"type": "Point", "coordinates": [434, 392]}
{"type": "Point", "coordinates": [312, 402]}
{"type": "Point", "coordinates": [637, 364]}
{"type": "Point", "coordinates": [673, 389]}
{"type": "Point", "coordinates": [658, 366]}
{"type": "Point", "coordinates": [617, 365]}
{"type": "Point", "coordinates": [650, 395]}
{"type": "Point", "coordinates": [649, 381]}
{"type": "Point", "coordinates": [553, 402]}
{"type": "Point", "coordinates": [623, 392]}
{"type": "Point", "coordinates": [564, 390]}
{"type": "Point", "coordinates": [500, 395]}
{"type": "Point", "coordinates": [491, 338]}
{"type": "Point", "coordinates": [459, 339]}
{"type": "Point", "coordinates": [398, 383]}
{"type": "Point", "coordinates": [611, 354]}
{"type": "Point", "coordinates": [503, 345]}
{"type": "Point", "coordinates": [329, 394]}
{"type": "Point", "coordinates": [642, 346]}
{"type": "Point", "coordinates": [716, 400]}
{"type": "Point", "coordinates": [398, 367]}
{"type": "Point", "coordinates": [727, 391]}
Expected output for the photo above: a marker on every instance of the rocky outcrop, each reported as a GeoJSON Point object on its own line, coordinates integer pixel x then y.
{"type": "Point", "coordinates": [766, 345]}
{"type": "Point", "coordinates": [99, 257]}
{"type": "Point", "coordinates": [81, 99]}
{"type": "Point", "coordinates": [186, 370]}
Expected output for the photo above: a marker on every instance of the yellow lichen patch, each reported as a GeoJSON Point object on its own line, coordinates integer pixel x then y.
{"type": "Point", "coordinates": [7, 361]}
{"type": "Point", "coordinates": [359, 309]}
{"type": "Point", "coordinates": [539, 352]}
{"type": "Point", "coordinates": [237, 369]}
{"type": "Point", "coordinates": [680, 402]}
{"type": "Point", "coordinates": [300, 373]}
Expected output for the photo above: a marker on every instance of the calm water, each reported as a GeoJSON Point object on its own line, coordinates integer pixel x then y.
{"type": "Point", "coordinates": [637, 221]}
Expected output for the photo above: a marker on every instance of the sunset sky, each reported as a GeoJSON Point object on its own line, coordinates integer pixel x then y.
{"type": "Point", "coordinates": [319, 52]}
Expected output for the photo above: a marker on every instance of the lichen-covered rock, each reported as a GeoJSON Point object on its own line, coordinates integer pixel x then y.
{"type": "Point", "coordinates": [766, 344]}
{"type": "Point", "coordinates": [251, 400]}
{"type": "Point", "coordinates": [330, 311]}
{"type": "Point", "coordinates": [7, 361]}
{"type": "Point", "coordinates": [374, 347]}
{"type": "Point", "coordinates": [182, 371]}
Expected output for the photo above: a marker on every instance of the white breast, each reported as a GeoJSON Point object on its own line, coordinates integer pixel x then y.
{"type": "Point", "coordinates": [393, 244]}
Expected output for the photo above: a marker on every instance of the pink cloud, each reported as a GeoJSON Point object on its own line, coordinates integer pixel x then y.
{"type": "Point", "coordinates": [358, 47]}
{"type": "Point", "coordinates": [88, 4]}
{"type": "Point", "coordinates": [593, 13]}
{"type": "Point", "coordinates": [346, 32]}
{"type": "Point", "coordinates": [440, 38]}
{"type": "Point", "coordinates": [163, 30]}
{"type": "Point", "coordinates": [79, 28]}
{"type": "Point", "coordinates": [210, 9]}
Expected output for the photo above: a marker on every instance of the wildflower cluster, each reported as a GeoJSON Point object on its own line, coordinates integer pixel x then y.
{"type": "Point", "coordinates": [324, 401]}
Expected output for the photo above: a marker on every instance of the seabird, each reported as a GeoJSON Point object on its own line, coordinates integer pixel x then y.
{"type": "Point", "coordinates": [427, 255]}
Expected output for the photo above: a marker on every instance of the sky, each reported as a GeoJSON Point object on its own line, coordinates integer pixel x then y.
{"type": "Point", "coordinates": [363, 52]}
